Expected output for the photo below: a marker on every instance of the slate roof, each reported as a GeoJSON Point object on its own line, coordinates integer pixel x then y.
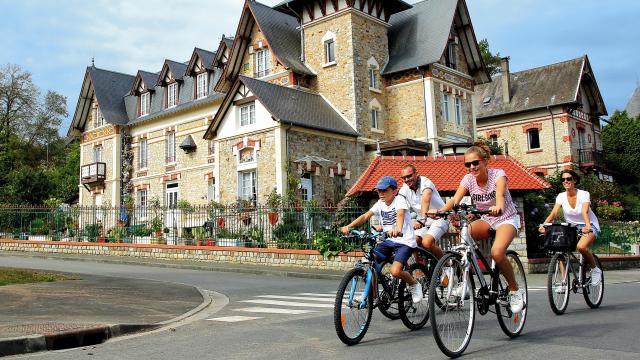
{"type": "Point", "coordinates": [446, 172]}
{"type": "Point", "coordinates": [549, 85]}
{"type": "Point", "coordinates": [298, 107]}
{"type": "Point", "coordinates": [633, 106]}
{"type": "Point", "coordinates": [177, 69]}
{"type": "Point", "coordinates": [149, 79]}
{"type": "Point", "coordinates": [418, 36]}
{"type": "Point", "coordinates": [110, 88]}
{"type": "Point", "coordinates": [228, 41]}
{"type": "Point", "coordinates": [207, 57]}
{"type": "Point", "coordinates": [282, 34]}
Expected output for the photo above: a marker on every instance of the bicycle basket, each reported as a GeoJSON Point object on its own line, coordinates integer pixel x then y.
{"type": "Point", "coordinates": [560, 237]}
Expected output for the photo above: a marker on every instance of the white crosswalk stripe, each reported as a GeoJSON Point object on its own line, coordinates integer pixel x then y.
{"type": "Point", "coordinates": [318, 294]}
{"type": "Point", "coordinates": [234, 318]}
{"type": "Point", "coordinates": [275, 310]}
{"type": "Point", "coordinates": [287, 303]}
{"type": "Point", "coordinates": [326, 299]}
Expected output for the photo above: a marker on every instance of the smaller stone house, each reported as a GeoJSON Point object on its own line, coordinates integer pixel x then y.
{"type": "Point", "coordinates": [548, 117]}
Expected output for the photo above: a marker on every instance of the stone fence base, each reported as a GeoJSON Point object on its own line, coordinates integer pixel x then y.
{"type": "Point", "coordinates": [307, 259]}
{"type": "Point", "coordinates": [541, 266]}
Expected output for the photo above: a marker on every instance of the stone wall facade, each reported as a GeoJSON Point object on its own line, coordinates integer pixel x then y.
{"type": "Point", "coordinates": [405, 115]}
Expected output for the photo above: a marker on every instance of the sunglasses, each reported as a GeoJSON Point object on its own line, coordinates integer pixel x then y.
{"type": "Point", "coordinates": [474, 163]}
{"type": "Point", "coordinates": [407, 177]}
{"type": "Point", "coordinates": [569, 179]}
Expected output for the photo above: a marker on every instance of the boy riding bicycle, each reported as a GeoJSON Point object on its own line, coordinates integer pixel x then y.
{"type": "Point", "coordinates": [396, 221]}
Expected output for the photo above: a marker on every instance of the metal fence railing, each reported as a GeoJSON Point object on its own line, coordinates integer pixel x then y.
{"type": "Point", "coordinates": [618, 238]}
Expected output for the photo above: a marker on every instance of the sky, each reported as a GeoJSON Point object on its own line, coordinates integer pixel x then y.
{"type": "Point", "coordinates": [56, 40]}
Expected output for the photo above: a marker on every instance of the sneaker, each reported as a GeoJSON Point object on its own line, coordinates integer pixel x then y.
{"type": "Point", "coordinates": [416, 292]}
{"type": "Point", "coordinates": [562, 288]}
{"type": "Point", "coordinates": [516, 300]}
{"type": "Point", "coordinates": [596, 276]}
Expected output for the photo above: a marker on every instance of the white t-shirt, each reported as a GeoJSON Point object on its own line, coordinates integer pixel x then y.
{"type": "Point", "coordinates": [414, 197]}
{"type": "Point", "coordinates": [574, 215]}
{"type": "Point", "coordinates": [388, 215]}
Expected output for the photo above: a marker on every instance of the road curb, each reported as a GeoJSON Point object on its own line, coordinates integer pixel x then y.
{"type": "Point", "coordinates": [22, 345]}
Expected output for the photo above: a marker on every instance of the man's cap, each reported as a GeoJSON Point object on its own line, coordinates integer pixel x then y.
{"type": "Point", "coordinates": [385, 182]}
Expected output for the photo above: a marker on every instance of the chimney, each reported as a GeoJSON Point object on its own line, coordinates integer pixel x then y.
{"type": "Point", "coordinates": [506, 80]}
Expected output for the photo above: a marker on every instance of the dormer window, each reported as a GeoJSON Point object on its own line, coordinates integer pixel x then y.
{"type": "Point", "coordinates": [172, 95]}
{"type": "Point", "coordinates": [248, 114]}
{"type": "Point", "coordinates": [201, 85]}
{"type": "Point", "coordinates": [262, 63]}
{"type": "Point", "coordinates": [144, 104]}
{"type": "Point", "coordinates": [98, 119]}
{"type": "Point", "coordinates": [451, 55]}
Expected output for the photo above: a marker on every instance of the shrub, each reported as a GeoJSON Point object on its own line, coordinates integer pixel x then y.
{"type": "Point", "coordinates": [609, 211]}
{"type": "Point", "coordinates": [39, 227]}
{"type": "Point", "coordinates": [290, 232]}
{"type": "Point", "coordinates": [329, 244]}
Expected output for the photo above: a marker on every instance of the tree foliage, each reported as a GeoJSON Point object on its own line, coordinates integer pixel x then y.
{"type": "Point", "coordinates": [35, 162]}
{"type": "Point", "coordinates": [491, 61]}
{"type": "Point", "coordinates": [621, 146]}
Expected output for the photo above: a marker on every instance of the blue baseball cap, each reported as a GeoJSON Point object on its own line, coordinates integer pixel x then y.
{"type": "Point", "coordinates": [385, 182]}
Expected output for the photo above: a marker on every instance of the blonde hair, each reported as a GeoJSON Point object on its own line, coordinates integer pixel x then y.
{"type": "Point", "coordinates": [479, 148]}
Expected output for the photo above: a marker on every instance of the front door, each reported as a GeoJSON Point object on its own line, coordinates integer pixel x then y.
{"type": "Point", "coordinates": [306, 187]}
{"type": "Point", "coordinates": [171, 201]}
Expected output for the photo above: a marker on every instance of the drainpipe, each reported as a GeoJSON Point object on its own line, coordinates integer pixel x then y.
{"type": "Point", "coordinates": [302, 57]}
{"type": "Point", "coordinates": [555, 144]}
{"type": "Point", "coordinates": [424, 106]}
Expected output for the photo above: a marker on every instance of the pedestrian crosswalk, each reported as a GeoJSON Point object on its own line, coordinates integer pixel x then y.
{"type": "Point", "coordinates": [293, 304]}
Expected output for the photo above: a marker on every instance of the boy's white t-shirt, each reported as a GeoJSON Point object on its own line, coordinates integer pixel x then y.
{"type": "Point", "coordinates": [574, 215]}
{"type": "Point", "coordinates": [388, 218]}
{"type": "Point", "coordinates": [414, 197]}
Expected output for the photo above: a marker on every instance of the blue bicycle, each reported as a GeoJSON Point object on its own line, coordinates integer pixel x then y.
{"type": "Point", "coordinates": [357, 296]}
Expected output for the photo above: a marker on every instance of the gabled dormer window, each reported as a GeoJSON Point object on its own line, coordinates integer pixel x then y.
{"type": "Point", "coordinates": [248, 114]}
{"type": "Point", "coordinates": [451, 55]}
{"type": "Point", "coordinates": [144, 104]}
{"type": "Point", "coordinates": [172, 95]}
{"type": "Point", "coordinates": [201, 85]}
{"type": "Point", "coordinates": [262, 63]}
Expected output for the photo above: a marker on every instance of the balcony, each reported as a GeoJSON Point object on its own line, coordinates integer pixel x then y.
{"type": "Point", "coordinates": [590, 158]}
{"type": "Point", "coordinates": [93, 173]}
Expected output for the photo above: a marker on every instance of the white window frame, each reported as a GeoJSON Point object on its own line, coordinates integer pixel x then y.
{"type": "Point", "coordinates": [373, 78]}
{"type": "Point", "coordinates": [98, 119]}
{"type": "Point", "coordinates": [97, 154]}
{"type": "Point", "coordinates": [529, 132]}
{"type": "Point", "coordinates": [248, 185]}
{"type": "Point", "coordinates": [445, 107]}
{"type": "Point", "coordinates": [143, 154]}
{"type": "Point", "coordinates": [211, 189]}
{"type": "Point", "coordinates": [211, 147]}
{"type": "Point", "coordinates": [451, 55]}
{"type": "Point", "coordinates": [172, 95]}
{"type": "Point", "coordinates": [170, 148]}
{"type": "Point", "coordinates": [247, 114]}
{"type": "Point", "coordinates": [262, 63]}
{"type": "Point", "coordinates": [458, 106]}
{"type": "Point", "coordinates": [375, 119]}
{"type": "Point", "coordinates": [142, 202]}
{"type": "Point", "coordinates": [330, 51]}
{"type": "Point", "coordinates": [145, 103]}
{"type": "Point", "coordinates": [201, 85]}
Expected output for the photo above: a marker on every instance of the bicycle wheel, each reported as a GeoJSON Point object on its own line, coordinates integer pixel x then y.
{"type": "Point", "coordinates": [557, 284]}
{"type": "Point", "coordinates": [512, 323]}
{"type": "Point", "coordinates": [414, 316]}
{"type": "Point", "coordinates": [388, 302]}
{"type": "Point", "coordinates": [352, 316]}
{"type": "Point", "coordinates": [592, 294]}
{"type": "Point", "coordinates": [452, 323]}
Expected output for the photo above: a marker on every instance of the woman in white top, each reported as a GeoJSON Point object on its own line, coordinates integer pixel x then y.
{"type": "Point", "coordinates": [576, 205]}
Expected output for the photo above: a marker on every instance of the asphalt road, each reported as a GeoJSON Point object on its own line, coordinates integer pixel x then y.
{"type": "Point", "coordinates": [237, 326]}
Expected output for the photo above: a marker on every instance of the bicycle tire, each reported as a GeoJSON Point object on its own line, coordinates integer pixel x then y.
{"type": "Point", "coordinates": [441, 327]}
{"type": "Point", "coordinates": [558, 300]}
{"type": "Point", "coordinates": [515, 323]}
{"type": "Point", "coordinates": [353, 281]}
{"type": "Point", "coordinates": [391, 308]}
{"type": "Point", "coordinates": [592, 294]}
{"type": "Point", "coordinates": [414, 316]}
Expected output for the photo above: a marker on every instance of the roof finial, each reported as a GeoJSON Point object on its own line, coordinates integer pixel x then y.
{"type": "Point", "coordinates": [93, 62]}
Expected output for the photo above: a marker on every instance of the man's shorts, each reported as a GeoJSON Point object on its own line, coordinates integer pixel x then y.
{"type": "Point", "coordinates": [388, 247]}
{"type": "Point", "coordinates": [437, 228]}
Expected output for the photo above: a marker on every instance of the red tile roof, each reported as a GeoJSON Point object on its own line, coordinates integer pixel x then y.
{"type": "Point", "coordinates": [446, 172]}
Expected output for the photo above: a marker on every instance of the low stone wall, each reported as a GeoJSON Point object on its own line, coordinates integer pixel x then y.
{"type": "Point", "coordinates": [541, 266]}
{"type": "Point", "coordinates": [308, 259]}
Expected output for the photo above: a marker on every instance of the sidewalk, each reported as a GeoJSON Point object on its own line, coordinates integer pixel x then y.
{"type": "Point", "coordinates": [62, 314]}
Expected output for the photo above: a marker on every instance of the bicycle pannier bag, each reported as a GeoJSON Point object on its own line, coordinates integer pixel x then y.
{"type": "Point", "coordinates": [559, 237]}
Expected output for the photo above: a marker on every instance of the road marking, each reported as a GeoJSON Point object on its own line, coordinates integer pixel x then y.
{"type": "Point", "coordinates": [537, 288]}
{"type": "Point", "coordinates": [295, 298]}
{"type": "Point", "coordinates": [275, 310]}
{"type": "Point", "coordinates": [234, 318]}
{"type": "Point", "coordinates": [287, 303]}
{"type": "Point", "coordinates": [317, 294]}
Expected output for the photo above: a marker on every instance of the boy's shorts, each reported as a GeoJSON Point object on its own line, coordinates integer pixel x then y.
{"type": "Point", "coordinates": [388, 247]}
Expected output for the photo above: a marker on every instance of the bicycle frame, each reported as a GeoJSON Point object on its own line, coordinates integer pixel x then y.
{"type": "Point", "coordinates": [571, 257]}
{"type": "Point", "coordinates": [373, 268]}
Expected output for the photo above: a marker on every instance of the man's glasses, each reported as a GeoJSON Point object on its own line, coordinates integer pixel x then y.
{"type": "Point", "coordinates": [474, 163]}
{"type": "Point", "coordinates": [406, 177]}
{"type": "Point", "coordinates": [567, 179]}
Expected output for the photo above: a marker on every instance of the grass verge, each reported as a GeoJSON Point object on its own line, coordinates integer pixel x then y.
{"type": "Point", "coordinates": [9, 276]}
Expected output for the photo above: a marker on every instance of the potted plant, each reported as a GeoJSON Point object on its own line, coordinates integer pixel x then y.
{"type": "Point", "coordinates": [243, 207]}
{"type": "Point", "coordinates": [156, 226]}
{"type": "Point", "coordinates": [274, 202]}
{"type": "Point", "coordinates": [217, 212]}
{"type": "Point", "coordinates": [199, 234]}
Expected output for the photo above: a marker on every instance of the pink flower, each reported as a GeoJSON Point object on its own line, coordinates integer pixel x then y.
{"type": "Point", "coordinates": [616, 203]}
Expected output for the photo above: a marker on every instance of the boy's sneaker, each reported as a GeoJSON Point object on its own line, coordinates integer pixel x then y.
{"type": "Point", "coordinates": [562, 288]}
{"type": "Point", "coordinates": [416, 292]}
{"type": "Point", "coordinates": [596, 276]}
{"type": "Point", "coordinates": [516, 300]}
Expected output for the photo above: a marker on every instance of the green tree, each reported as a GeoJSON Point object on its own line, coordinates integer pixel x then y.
{"type": "Point", "coordinates": [491, 61]}
{"type": "Point", "coordinates": [621, 146]}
